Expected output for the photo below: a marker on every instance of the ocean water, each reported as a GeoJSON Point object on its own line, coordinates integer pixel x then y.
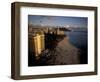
{"type": "Point", "coordinates": [78, 37]}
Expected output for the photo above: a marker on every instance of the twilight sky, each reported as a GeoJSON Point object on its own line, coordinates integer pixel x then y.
{"type": "Point", "coordinates": [58, 20]}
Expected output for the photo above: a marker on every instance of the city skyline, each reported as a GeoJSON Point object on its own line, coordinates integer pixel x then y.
{"type": "Point", "coordinates": [58, 21]}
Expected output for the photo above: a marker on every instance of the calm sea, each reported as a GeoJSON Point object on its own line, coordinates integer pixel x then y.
{"type": "Point", "coordinates": [78, 37]}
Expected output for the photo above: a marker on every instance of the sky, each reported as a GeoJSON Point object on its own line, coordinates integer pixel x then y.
{"type": "Point", "coordinates": [58, 20]}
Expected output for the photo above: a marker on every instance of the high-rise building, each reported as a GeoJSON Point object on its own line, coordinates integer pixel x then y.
{"type": "Point", "coordinates": [37, 44]}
